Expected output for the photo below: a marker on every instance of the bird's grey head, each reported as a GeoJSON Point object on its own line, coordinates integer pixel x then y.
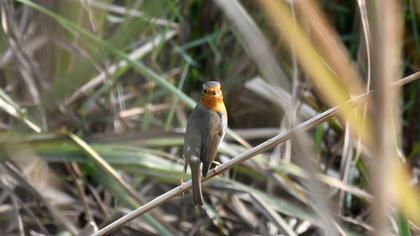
{"type": "Point", "coordinates": [211, 84]}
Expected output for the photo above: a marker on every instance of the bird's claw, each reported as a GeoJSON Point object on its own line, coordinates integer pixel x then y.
{"type": "Point", "coordinates": [216, 165]}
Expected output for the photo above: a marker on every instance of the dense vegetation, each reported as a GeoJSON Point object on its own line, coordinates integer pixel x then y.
{"type": "Point", "coordinates": [95, 95]}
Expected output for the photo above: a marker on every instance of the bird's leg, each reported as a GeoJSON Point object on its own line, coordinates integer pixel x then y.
{"type": "Point", "coordinates": [182, 184]}
{"type": "Point", "coordinates": [181, 181]}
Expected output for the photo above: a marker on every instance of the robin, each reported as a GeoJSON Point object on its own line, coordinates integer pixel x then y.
{"type": "Point", "coordinates": [206, 128]}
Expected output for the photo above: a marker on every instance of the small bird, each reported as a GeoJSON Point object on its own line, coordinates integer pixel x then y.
{"type": "Point", "coordinates": [206, 128]}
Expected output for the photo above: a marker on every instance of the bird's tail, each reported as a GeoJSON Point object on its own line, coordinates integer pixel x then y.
{"type": "Point", "coordinates": [195, 165]}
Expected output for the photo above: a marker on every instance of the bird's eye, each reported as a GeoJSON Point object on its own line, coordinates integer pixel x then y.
{"type": "Point", "coordinates": [205, 90]}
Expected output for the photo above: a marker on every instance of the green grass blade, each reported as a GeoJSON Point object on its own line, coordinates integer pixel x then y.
{"type": "Point", "coordinates": [403, 225]}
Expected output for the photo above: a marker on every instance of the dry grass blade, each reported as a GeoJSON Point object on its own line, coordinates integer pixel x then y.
{"type": "Point", "coordinates": [367, 39]}
{"type": "Point", "coordinates": [272, 215]}
{"type": "Point", "coordinates": [346, 162]}
{"type": "Point", "coordinates": [248, 216]}
{"type": "Point", "coordinates": [141, 110]}
{"type": "Point", "coordinates": [17, 113]}
{"type": "Point", "coordinates": [18, 216]}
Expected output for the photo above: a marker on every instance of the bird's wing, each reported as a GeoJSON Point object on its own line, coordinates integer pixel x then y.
{"type": "Point", "coordinates": [192, 135]}
{"type": "Point", "coordinates": [210, 141]}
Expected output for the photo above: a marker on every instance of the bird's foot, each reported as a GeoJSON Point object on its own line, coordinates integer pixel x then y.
{"type": "Point", "coordinates": [181, 183]}
{"type": "Point", "coordinates": [216, 165]}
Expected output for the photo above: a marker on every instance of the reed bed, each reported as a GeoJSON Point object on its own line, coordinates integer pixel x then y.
{"type": "Point", "coordinates": [324, 128]}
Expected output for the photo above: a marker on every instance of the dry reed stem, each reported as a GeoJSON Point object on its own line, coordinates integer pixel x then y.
{"type": "Point", "coordinates": [386, 51]}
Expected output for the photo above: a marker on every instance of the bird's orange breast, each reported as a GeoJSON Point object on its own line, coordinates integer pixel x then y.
{"type": "Point", "coordinates": [214, 103]}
